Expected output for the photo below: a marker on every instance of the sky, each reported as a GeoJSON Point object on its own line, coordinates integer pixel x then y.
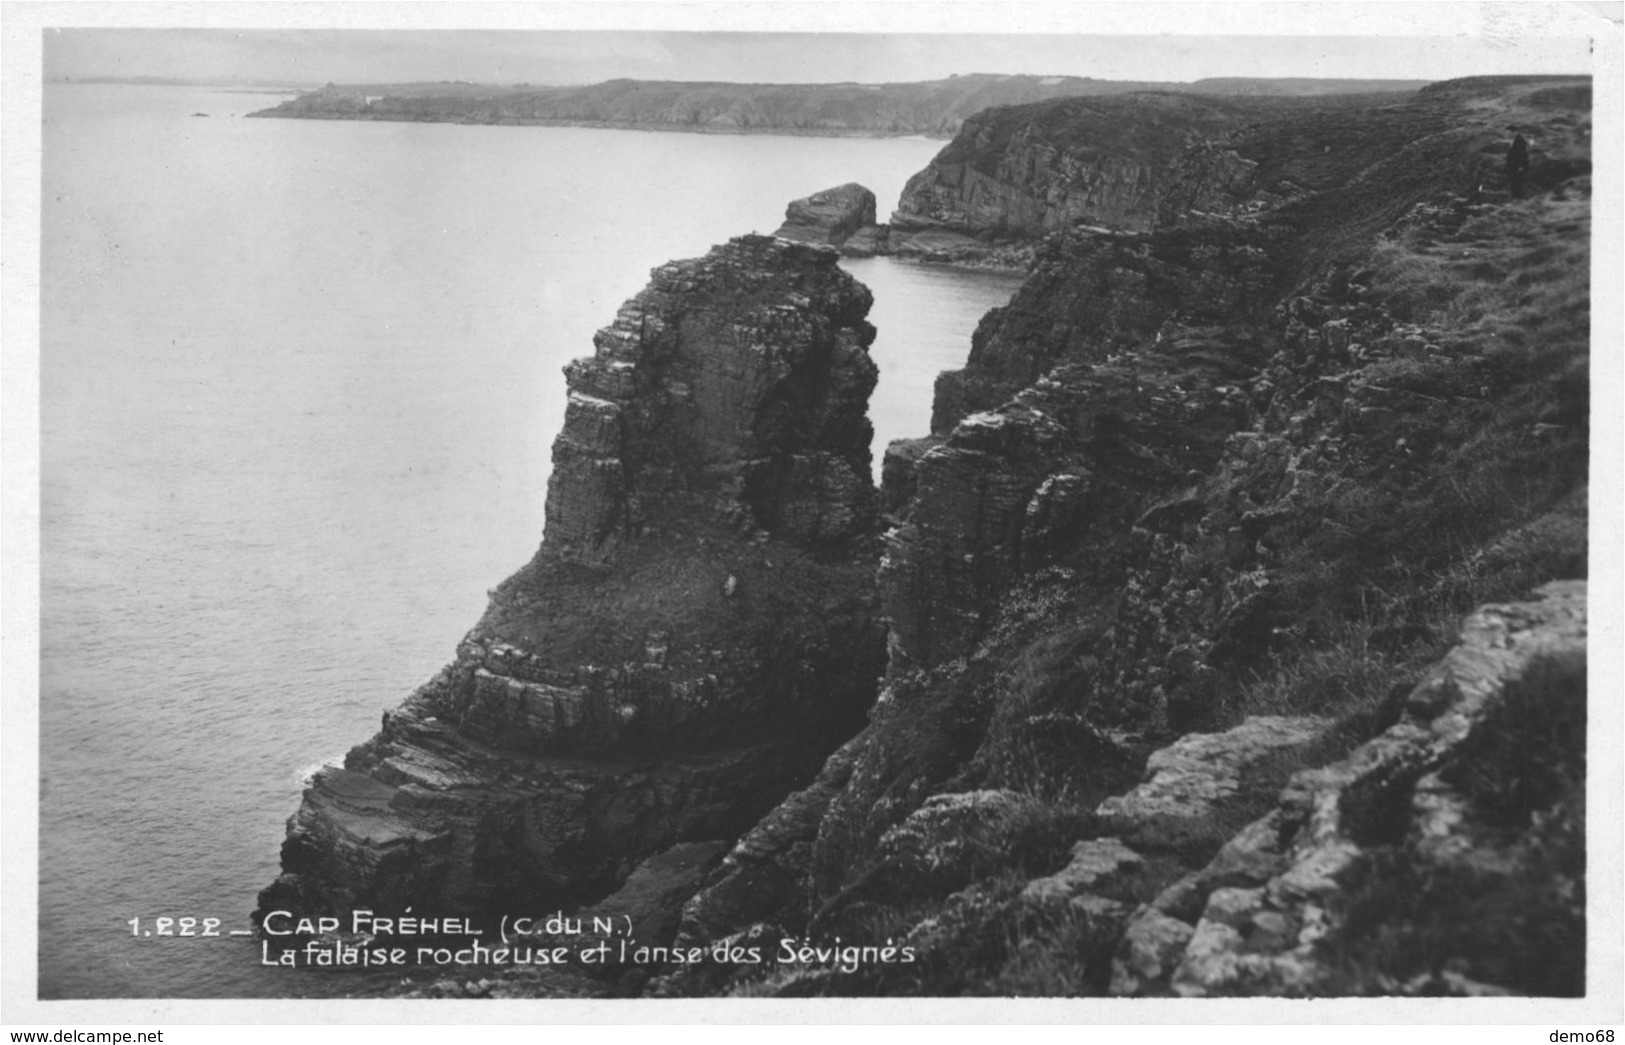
{"type": "Point", "coordinates": [868, 42]}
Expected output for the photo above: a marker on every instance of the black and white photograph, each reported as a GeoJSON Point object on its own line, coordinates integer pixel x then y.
{"type": "Point", "coordinates": [809, 513]}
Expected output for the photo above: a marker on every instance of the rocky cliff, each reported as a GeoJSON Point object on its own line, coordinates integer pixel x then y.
{"type": "Point", "coordinates": [1019, 172]}
{"type": "Point", "coordinates": [1444, 856]}
{"type": "Point", "coordinates": [1173, 582]}
{"type": "Point", "coordinates": [1176, 696]}
{"type": "Point", "coordinates": [1138, 160]}
{"type": "Point", "coordinates": [696, 634]}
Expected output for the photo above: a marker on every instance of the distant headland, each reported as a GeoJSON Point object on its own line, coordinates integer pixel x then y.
{"type": "Point", "coordinates": [934, 108]}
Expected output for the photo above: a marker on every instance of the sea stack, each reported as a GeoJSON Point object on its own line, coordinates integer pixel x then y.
{"type": "Point", "coordinates": [697, 632]}
{"type": "Point", "coordinates": [842, 217]}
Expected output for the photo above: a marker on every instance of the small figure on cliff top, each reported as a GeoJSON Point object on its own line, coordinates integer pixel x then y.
{"type": "Point", "coordinates": [1517, 162]}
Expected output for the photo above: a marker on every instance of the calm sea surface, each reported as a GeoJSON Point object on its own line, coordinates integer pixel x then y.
{"type": "Point", "coordinates": [299, 382]}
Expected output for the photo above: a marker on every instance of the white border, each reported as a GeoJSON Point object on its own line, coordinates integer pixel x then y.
{"type": "Point", "coordinates": [20, 95]}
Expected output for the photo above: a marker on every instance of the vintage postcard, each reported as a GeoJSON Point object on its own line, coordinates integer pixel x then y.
{"type": "Point", "coordinates": [803, 513]}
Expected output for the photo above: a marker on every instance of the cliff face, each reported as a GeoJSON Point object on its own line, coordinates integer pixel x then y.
{"type": "Point", "coordinates": [1092, 296]}
{"type": "Point", "coordinates": [1016, 173]}
{"type": "Point", "coordinates": [696, 633]}
{"type": "Point", "coordinates": [1200, 513]}
{"type": "Point", "coordinates": [1138, 161]}
{"type": "Point", "coordinates": [1028, 170]}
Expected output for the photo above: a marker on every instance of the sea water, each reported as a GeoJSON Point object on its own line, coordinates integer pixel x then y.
{"type": "Point", "coordinates": [298, 385]}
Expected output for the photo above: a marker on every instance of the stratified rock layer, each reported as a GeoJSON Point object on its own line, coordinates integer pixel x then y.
{"type": "Point", "coordinates": [1014, 174]}
{"type": "Point", "coordinates": [732, 391]}
{"type": "Point", "coordinates": [697, 632]}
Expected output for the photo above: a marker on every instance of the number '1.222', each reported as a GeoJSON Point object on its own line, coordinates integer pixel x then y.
{"type": "Point", "coordinates": [176, 927]}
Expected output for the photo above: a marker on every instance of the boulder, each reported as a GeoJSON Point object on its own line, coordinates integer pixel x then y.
{"type": "Point", "coordinates": [832, 217]}
{"type": "Point", "coordinates": [1195, 776]}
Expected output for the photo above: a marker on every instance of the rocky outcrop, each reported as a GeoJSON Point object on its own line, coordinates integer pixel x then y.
{"type": "Point", "coordinates": [1015, 174]}
{"type": "Point", "coordinates": [1209, 178]}
{"type": "Point", "coordinates": [1141, 161]}
{"type": "Point", "coordinates": [840, 217]}
{"type": "Point", "coordinates": [731, 392]}
{"type": "Point", "coordinates": [695, 635]}
{"type": "Point", "coordinates": [997, 506]}
{"type": "Point", "coordinates": [1390, 871]}
{"type": "Point", "coordinates": [1092, 295]}
{"type": "Point", "coordinates": [1195, 781]}
{"type": "Point", "coordinates": [1023, 464]}
{"type": "Point", "coordinates": [1147, 160]}
{"type": "Point", "coordinates": [1467, 813]}
{"type": "Point", "coordinates": [1190, 779]}
{"type": "Point", "coordinates": [1097, 863]}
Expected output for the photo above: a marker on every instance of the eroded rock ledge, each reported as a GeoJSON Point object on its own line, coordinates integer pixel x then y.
{"type": "Point", "coordinates": [697, 632]}
{"type": "Point", "coordinates": [1467, 813]}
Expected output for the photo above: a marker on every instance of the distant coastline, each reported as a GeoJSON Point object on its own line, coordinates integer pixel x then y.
{"type": "Point", "coordinates": [933, 109]}
{"type": "Point", "coordinates": [616, 125]}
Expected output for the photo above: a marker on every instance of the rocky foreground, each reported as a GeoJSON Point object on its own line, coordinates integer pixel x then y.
{"type": "Point", "coordinates": [1145, 672]}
